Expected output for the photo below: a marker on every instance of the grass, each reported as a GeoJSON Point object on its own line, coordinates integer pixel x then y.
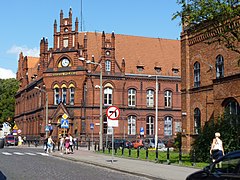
{"type": "Point", "coordinates": [162, 157]}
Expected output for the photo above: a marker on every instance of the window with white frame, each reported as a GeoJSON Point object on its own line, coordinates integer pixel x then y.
{"type": "Point", "coordinates": [72, 93]}
{"type": "Point", "coordinates": [150, 125]}
{"type": "Point", "coordinates": [56, 96]}
{"type": "Point", "coordinates": [196, 74]}
{"type": "Point", "coordinates": [168, 126]}
{"type": "Point", "coordinates": [131, 97]}
{"type": "Point", "coordinates": [108, 96]}
{"type": "Point", "coordinates": [131, 125]}
{"type": "Point", "coordinates": [178, 127]}
{"type": "Point", "coordinates": [168, 99]}
{"type": "Point", "coordinates": [219, 67]}
{"type": "Point", "coordinates": [150, 98]}
{"type": "Point", "coordinates": [108, 65]}
{"type": "Point", "coordinates": [197, 120]}
{"type": "Point", "coordinates": [64, 95]}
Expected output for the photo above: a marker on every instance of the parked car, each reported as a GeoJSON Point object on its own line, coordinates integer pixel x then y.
{"type": "Point", "coordinates": [138, 143]}
{"type": "Point", "coordinates": [11, 140]}
{"type": "Point", "coordinates": [120, 143]}
{"type": "Point", "coordinates": [226, 167]}
{"type": "Point", "coordinates": [150, 143]}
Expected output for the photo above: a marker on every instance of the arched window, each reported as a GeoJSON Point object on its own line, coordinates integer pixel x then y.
{"type": "Point", "coordinates": [72, 93]}
{"type": "Point", "coordinates": [131, 97]}
{"type": "Point", "coordinates": [150, 125]}
{"type": "Point", "coordinates": [231, 106]}
{"type": "Point", "coordinates": [197, 121]}
{"type": "Point", "coordinates": [64, 95]}
{"type": "Point", "coordinates": [168, 99]}
{"type": "Point", "coordinates": [168, 126]}
{"type": "Point", "coordinates": [131, 125]}
{"type": "Point", "coordinates": [108, 96]}
{"type": "Point", "coordinates": [196, 74]}
{"type": "Point", "coordinates": [108, 65]}
{"type": "Point", "coordinates": [219, 67]}
{"type": "Point", "coordinates": [150, 98]}
{"type": "Point", "coordinates": [56, 96]}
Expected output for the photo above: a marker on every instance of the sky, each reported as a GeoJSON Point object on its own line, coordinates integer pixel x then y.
{"type": "Point", "coordinates": [25, 22]}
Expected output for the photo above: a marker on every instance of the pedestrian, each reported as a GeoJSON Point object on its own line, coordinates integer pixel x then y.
{"type": "Point", "coordinates": [216, 150]}
{"type": "Point", "coordinates": [61, 144]}
{"type": "Point", "coordinates": [67, 144]}
{"type": "Point", "coordinates": [45, 144]}
{"type": "Point", "coordinates": [50, 144]}
{"type": "Point", "coordinates": [71, 142]}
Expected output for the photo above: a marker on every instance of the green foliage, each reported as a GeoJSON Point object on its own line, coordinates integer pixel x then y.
{"type": "Point", "coordinates": [220, 14]}
{"type": "Point", "coordinates": [228, 126]}
{"type": "Point", "coordinates": [8, 89]}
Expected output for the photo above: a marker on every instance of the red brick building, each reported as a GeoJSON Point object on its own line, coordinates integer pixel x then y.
{"type": "Point", "coordinates": [210, 81]}
{"type": "Point", "coordinates": [129, 68]}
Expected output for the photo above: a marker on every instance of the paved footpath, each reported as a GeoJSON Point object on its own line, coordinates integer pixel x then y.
{"type": "Point", "coordinates": [138, 167]}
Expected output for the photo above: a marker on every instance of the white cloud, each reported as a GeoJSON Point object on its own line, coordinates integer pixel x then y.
{"type": "Point", "coordinates": [26, 51]}
{"type": "Point", "coordinates": [6, 73]}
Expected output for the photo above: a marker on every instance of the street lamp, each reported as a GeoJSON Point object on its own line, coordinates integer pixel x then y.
{"type": "Point", "coordinates": [156, 114]}
{"type": "Point", "coordinates": [41, 90]}
{"type": "Point", "coordinates": [101, 108]}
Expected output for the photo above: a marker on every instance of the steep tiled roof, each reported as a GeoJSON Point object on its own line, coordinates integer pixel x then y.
{"type": "Point", "coordinates": [136, 50]}
{"type": "Point", "coordinates": [32, 66]}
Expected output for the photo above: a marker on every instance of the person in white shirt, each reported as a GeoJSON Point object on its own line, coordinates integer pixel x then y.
{"type": "Point", "coordinates": [217, 150]}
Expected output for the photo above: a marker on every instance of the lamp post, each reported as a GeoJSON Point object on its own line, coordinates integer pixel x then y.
{"type": "Point", "coordinates": [101, 108]}
{"type": "Point", "coordinates": [41, 90]}
{"type": "Point", "coordinates": [156, 114]}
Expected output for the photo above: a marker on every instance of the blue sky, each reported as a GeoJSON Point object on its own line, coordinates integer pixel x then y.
{"type": "Point", "coordinates": [25, 22]}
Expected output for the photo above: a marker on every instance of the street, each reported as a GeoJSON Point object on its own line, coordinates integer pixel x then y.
{"type": "Point", "coordinates": [22, 163]}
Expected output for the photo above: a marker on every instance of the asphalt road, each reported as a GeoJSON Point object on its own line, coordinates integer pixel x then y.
{"type": "Point", "coordinates": [33, 164]}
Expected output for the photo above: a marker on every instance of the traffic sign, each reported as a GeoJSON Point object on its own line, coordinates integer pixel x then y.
{"type": "Point", "coordinates": [141, 131]}
{"type": "Point", "coordinates": [112, 123]}
{"type": "Point", "coordinates": [64, 123]}
{"type": "Point", "coordinates": [91, 126]}
{"type": "Point", "coordinates": [113, 112]}
{"type": "Point", "coordinates": [46, 128]}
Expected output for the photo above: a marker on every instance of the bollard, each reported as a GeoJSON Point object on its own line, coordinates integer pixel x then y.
{"type": "Point", "coordinates": [77, 143]}
{"type": "Point", "coordinates": [168, 161]}
{"type": "Point", "coordinates": [98, 147]}
{"type": "Point", "coordinates": [156, 154]}
{"type": "Point", "coordinates": [28, 143]}
{"type": "Point", "coordinates": [58, 145]}
{"type": "Point", "coordinates": [115, 150]}
{"type": "Point", "coordinates": [129, 152]}
{"type": "Point", "coordinates": [194, 158]}
{"type": "Point", "coordinates": [103, 149]}
{"type": "Point", "coordinates": [89, 146]}
{"type": "Point", "coordinates": [122, 151]}
{"type": "Point", "coordinates": [108, 150]}
{"type": "Point", "coordinates": [180, 155]}
{"type": "Point", "coordinates": [147, 153]}
{"type": "Point", "coordinates": [138, 152]}
{"type": "Point", "coordinates": [95, 147]}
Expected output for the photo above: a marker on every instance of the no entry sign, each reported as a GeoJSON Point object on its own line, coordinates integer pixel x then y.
{"type": "Point", "coordinates": [113, 112]}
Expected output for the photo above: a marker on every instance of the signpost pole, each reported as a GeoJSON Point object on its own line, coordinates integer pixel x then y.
{"type": "Point", "coordinates": [112, 143]}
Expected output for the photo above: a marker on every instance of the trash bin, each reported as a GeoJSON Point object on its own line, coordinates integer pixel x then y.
{"type": "Point", "coordinates": [1, 143]}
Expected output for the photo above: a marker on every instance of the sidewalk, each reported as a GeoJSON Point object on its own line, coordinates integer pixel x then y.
{"type": "Point", "coordinates": [133, 166]}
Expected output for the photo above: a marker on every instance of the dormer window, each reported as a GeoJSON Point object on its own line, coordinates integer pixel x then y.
{"type": "Point", "coordinates": [158, 69]}
{"type": "Point", "coordinates": [140, 68]}
{"type": "Point", "coordinates": [175, 70]}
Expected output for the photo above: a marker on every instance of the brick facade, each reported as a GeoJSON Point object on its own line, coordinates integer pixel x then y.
{"type": "Point", "coordinates": [213, 93]}
{"type": "Point", "coordinates": [132, 61]}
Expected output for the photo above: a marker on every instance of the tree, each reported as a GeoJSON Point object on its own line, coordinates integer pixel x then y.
{"type": "Point", "coordinates": [8, 89]}
{"type": "Point", "coordinates": [220, 18]}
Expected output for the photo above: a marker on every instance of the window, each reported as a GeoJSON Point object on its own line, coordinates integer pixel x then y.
{"type": "Point", "coordinates": [72, 91]}
{"type": "Point", "coordinates": [108, 65]}
{"type": "Point", "coordinates": [150, 97]}
{"type": "Point", "coordinates": [150, 125]}
{"type": "Point", "coordinates": [219, 67]}
{"type": "Point", "coordinates": [64, 95]}
{"type": "Point", "coordinates": [168, 99]}
{"type": "Point", "coordinates": [232, 106]}
{"type": "Point", "coordinates": [105, 125]}
{"type": "Point", "coordinates": [131, 125]}
{"type": "Point", "coordinates": [197, 121]}
{"type": "Point", "coordinates": [108, 96]}
{"type": "Point", "coordinates": [196, 74]}
{"type": "Point", "coordinates": [168, 126]}
{"type": "Point", "coordinates": [178, 127]}
{"type": "Point", "coordinates": [131, 97]}
{"type": "Point", "coordinates": [56, 96]}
